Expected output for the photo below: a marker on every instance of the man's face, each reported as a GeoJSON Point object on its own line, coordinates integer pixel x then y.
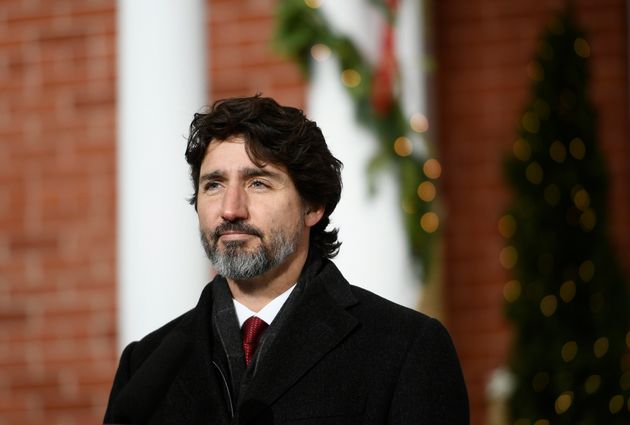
{"type": "Point", "coordinates": [251, 219]}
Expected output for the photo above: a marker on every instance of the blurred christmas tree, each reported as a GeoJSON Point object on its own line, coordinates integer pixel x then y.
{"type": "Point", "coordinates": [568, 302]}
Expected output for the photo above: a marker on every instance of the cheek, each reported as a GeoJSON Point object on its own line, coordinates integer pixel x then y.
{"type": "Point", "coordinates": [206, 215]}
{"type": "Point", "coordinates": [280, 214]}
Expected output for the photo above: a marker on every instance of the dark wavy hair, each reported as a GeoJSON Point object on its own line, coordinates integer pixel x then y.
{"type": "Point", "coordinates": [278, 135]}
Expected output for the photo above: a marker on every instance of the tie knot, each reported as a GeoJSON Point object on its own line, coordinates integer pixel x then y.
{"type": "Point", "coordinates": [253, 329]}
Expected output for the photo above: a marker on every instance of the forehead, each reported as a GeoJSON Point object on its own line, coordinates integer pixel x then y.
{"type": "Point", "coordinates": [232, 154]}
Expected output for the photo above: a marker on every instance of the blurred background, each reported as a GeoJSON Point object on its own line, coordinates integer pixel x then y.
{"type": "Point", "coordinates": [97, 242]}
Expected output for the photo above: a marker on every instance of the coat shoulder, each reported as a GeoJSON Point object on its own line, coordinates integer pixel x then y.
{"type": "Point", "coordinates": [400, 327]}
{"type": "Point", "coordinates": [379, 308]}
{"type": "Point", "coordinates": [149, 343]}
{"type": "Point", "coordinates": [174, 333]}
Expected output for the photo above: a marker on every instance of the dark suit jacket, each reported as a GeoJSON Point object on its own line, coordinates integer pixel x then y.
{"type": "Point", "coordinates": [344, 356]}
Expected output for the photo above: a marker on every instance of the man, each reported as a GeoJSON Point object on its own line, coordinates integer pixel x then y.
{"type": "Point", "coordinates": [265, 185]}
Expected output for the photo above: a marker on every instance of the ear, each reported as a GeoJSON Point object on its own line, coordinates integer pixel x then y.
{"type": "Point", "coordinates": [312, 215]}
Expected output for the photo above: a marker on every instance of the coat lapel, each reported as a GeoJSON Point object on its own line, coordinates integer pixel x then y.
{"type": "Point", "coordinates": [317, 325]}
{"type": "Point", "coordinates": [196, 395]}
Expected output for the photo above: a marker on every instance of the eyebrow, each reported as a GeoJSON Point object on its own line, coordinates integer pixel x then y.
{"type": "Point", "coordinates": [247, 173]}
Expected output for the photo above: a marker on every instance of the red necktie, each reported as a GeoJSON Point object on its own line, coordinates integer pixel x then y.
{"type": "Point", "coordinates": [252, 330]}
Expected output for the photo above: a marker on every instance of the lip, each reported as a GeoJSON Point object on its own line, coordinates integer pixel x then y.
{"type": "Point", "coordinates": [235, 235]}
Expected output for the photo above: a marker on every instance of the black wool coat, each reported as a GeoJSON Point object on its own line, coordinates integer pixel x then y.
{"type": "Point", "coordinates": [343, 356]}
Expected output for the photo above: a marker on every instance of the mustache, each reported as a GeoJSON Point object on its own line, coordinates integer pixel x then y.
{"type": "Point", "coordinates": [237, 226]}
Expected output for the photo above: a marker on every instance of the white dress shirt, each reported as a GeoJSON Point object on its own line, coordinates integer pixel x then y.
{"type": "Point", "coordinates": [267, 313]}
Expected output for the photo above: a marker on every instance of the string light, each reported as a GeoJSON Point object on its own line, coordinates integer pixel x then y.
{"type": "Point", "coordinates": [508, 257]}
{"type": "Point", "coordinates": [320, 52]}
{"type": "Point", "coordinates": [512, 291]}
{"type": "Point", "coordinates": [419, 123]}
{"type": "Point", "coordinates": [429, 222]}
{"type": "Point", "coordinates": [588, 220]}
{"type": "Point", "coordinates": [403, 146]}
{"type": "Point", "coordinates": [548, 305]}
{"type": "Point", "coordinates": [600, 348]}
{"type": "Point", "coordinates": [534, 173]}
{"type": "Point", "coordinates": [350, 78]}
{"type": "Point", "coordinates": [563, 402]}
{"type": "Point", "coordinates": [432, 168]}
{"type": "Point", "coordinates": [567, 291]}
{"type": "Point", "coordinates": [558, 152]}
{"type": "Point", "coordinates": [569, 351]}
{"type": "Point", "coordinates": [426, 191]}
{"type": "Point", "coordinates": [616, 404]}
{"type": "Point", "coordinates": [522, 150]}
{"type": "Point", "coordinates": [313, 4]}
{"type": "Point", "coordinates": [581, 199]}
{"type": "Point", "coordinates": [592, 384]}
{"type": "Point", "coordinates": [582, 48]}
{"type": "Point", "coordinates": [507, 226]}
{"type": "Point", "coordinates": [541, 422]}
{"type": "Point", "coordinates": [586, 271]}
{"type": "Point", "coordinates": [577, 148]}
{"type": "Point", "coordinates": [624, 381]}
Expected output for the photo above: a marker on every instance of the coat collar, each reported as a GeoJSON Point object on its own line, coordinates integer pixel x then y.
{"type": "Point", "coordinates": [317, 324]}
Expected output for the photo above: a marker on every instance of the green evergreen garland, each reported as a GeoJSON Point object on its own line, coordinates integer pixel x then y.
{"type": "Point", "coordinates": [568, 302]}
{"type": "Point", "coordinates": [299, 29]}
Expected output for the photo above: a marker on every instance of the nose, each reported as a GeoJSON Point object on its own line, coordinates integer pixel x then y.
{"type": "Point", "coordinates": [234, 206]}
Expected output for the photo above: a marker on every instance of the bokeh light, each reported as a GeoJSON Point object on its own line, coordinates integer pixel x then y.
{"type": "Point", "coordinates": [426, 191]}
{"type": "Point", "coordinates": [419, 123]}
{"type": "Point", "coordinates": [320, 52]}
{"type": "Point", "coordinates": [577, 148]}
{"type": "Point", "coordinates": [350, 78]}
{"type": "Point", "coordinates": [512, 290]}
{"type": "Point", "coordinates": [507, 226]}
{"type": "Point", "coordinates": [569, 351]}
{"type": "Point", "coordinates": [432, 168]}
{"type": "Point", "coordinates": [563, 402]}
{"type": "Point", "coordinates": [403, 146]}
{"type": "Point", "coordinates": [508, 257]}
{"type": "Point", "coordinates": [429, 222]}
{"type": "Point", "coordinates": [522, 150]}
{"type": "Point", "coordinates": [534, 173]}
{"type": "Point", "coordinates": [313, 4]}
{"type": "Point", "coordinates": [582, 48]}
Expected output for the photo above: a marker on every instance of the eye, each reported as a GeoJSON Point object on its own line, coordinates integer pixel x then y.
{"type": "Point", "coordinates": [210, 186]}
{"type": "Point", "coordinates": [259, 184]}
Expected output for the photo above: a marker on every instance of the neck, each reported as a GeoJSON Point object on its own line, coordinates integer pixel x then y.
{"type": "Point", "coordinates": [257, 292]}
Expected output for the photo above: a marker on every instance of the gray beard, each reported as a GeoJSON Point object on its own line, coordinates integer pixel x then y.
{"type": "Point", "coordinates": [234, 262]}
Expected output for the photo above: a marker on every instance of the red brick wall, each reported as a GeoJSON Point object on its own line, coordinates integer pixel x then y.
{"type": "Point", "coordinates": [483, 48]}
{"type": "Point", "coordinates": [57, 210]}
{"type": "Point", "coordinates": [242, 60]}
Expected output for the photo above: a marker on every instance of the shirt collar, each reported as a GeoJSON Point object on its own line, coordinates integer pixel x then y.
{"type": "Point", "coordinates": [267, 313]}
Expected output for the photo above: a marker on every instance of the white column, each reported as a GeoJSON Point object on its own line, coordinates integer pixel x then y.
{"type": "Point", "coordinates": [374, 253]}
{"type": "Point", "coordinates": [161, 84]}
